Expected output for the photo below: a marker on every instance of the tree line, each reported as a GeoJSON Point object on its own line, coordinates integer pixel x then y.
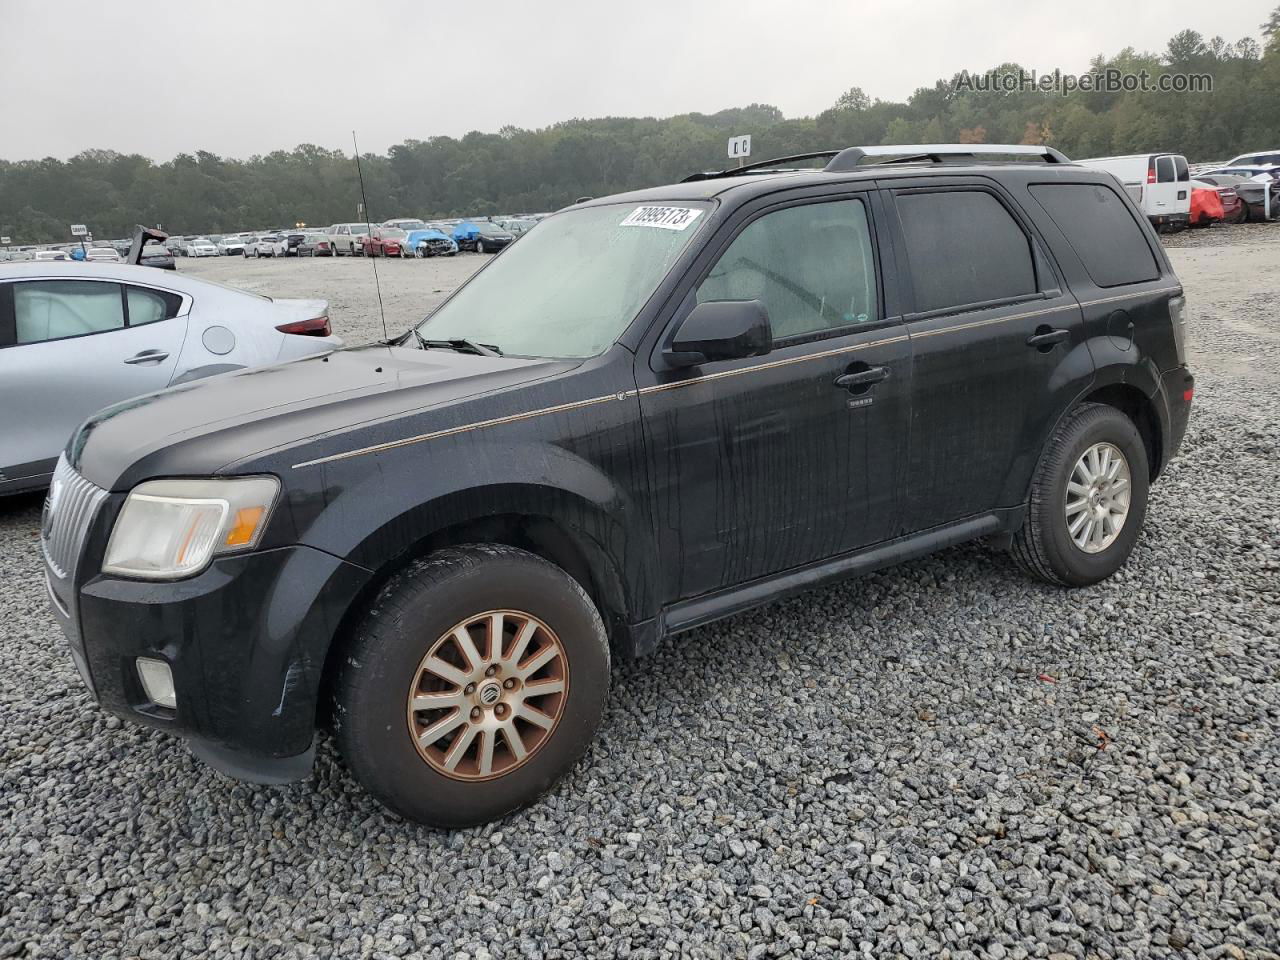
{"type": "Point", "coordinates": [517, 170]}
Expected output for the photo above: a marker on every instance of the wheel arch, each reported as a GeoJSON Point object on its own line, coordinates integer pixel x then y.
{"type": "Point", "coordinates": [565, 529]}
{"type": "Point", "coordinates": [1141, 410]}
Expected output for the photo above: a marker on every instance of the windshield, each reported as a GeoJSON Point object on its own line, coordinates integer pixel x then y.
{"type": "Point", "coordinates": [572, 286]}
{"type": "Point", "coordinates": [490, 228]}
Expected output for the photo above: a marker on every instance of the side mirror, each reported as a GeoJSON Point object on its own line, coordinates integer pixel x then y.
{"type": "Point", "coordinates": [721, 330]}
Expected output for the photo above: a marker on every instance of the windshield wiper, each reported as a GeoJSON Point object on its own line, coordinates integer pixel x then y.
{"type": "Point", "coordinates": [460, 344]}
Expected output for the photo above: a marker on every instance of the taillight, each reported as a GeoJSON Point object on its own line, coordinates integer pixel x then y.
{"type": "Point", "coordinates": [315, 327]}
{"type": "Point", "coordinates": [1151, 170]}
{"type": "Point", "coordinates": [1178, 315]}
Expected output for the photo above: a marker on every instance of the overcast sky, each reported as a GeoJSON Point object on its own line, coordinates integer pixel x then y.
{"type": "Point", "coordinates": [239, 78]}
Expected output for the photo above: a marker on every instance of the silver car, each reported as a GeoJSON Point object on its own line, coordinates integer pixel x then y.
{"type": "Point", "coordinates": [76, 337]}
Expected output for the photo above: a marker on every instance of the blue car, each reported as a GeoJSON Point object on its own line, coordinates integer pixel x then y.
{"type": "Point", "coordinates": [430, 243]}
{"type": "Point", "coordinates": [482, 237]}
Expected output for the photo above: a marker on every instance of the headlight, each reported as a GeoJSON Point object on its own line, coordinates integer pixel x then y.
{"type": "Point", "coordinates": [172, 528]}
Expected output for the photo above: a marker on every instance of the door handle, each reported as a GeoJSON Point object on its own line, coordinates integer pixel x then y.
{"type": "Point", "coordinates": [862, 378]}
{"type": "Point", "coordinates": [1046, 337]}
{"type": "Point", "coordinates": [148, 356]}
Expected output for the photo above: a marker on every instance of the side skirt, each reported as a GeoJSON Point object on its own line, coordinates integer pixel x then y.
{"type": "Point", "coordinates": [699, 611]}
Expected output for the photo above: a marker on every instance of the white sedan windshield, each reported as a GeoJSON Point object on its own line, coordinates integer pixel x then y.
{"type": "Point", "coordinates": [569, 288]}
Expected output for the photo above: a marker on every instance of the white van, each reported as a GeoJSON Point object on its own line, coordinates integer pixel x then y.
{"type": "Point", "coordinates": [1160, 184]}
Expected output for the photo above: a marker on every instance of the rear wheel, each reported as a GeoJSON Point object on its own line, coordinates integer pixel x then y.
{"type": "Point", "coordinates": [1088, 499]}
{"type": "Point", "coordinates": [477, 679]}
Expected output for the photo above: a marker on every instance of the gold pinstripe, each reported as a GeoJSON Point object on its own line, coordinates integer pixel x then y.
{"type": "Point", "coordinates": [723, 374]}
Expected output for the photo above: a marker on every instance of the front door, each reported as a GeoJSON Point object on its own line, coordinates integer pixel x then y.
{"type": "Point", "coordinates": [69, 348]}
{"type": "Point", "coordinates": [769, 463]}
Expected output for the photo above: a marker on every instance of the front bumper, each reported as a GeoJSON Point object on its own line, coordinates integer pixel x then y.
{"type": "Point", "coordinates": [245, 640]}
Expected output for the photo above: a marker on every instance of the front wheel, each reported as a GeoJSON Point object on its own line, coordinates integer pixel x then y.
{"type": "Point", "coordinates": [1088, 499]}
{"type": "Point", "coordinates": [477, 679]}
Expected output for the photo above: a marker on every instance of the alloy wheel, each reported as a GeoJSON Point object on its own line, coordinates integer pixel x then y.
{"type": "Point", "coordinates": [488, 695]}
{"type": "Point", "coordinates": [1098, 496]}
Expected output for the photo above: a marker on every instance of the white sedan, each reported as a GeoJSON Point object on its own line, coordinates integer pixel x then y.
{"type": "Point", "coordinates": [201, 247]}
{"type": "Point", "coordinates": [83, 336]}
{"type": "Point", "coordinates": [230, 246]}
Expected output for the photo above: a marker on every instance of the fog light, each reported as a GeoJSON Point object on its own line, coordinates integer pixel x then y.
{"type": "Point", "coordinates": [157, 681]}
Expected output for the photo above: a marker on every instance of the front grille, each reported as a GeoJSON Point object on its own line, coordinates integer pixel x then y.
{"type": "Point", "coordinates": [68, 511]}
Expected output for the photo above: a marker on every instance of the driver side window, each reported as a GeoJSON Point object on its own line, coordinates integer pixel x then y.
{"type": "Point", "coordinates": [54, 309]}
{"type": "Point", "coordinates": [812, 266]}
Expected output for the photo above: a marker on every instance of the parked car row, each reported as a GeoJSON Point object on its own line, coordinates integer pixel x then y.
{"type": "Point", "coordinates": [1173, 195]}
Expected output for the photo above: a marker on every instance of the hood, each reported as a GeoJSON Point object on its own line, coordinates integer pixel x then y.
{"type": "Point", "coordinates": [202, 427]}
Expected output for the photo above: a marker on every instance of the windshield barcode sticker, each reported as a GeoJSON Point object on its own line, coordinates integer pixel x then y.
{"type": "Point", "coordinates": [665, 218]}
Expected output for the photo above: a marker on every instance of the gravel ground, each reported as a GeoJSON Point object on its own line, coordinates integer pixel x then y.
{"type": "Point", "coordinates": [941, 760]}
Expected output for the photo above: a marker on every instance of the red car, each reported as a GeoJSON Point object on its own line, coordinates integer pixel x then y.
{"type": "Point", "coordinates": [1233, 209]}
{"type": "Point", "coordinates": [384, 242]}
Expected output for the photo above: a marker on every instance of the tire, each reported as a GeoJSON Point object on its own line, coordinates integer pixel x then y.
{"type": "Point", "coordinates": [420, 252]}
{"type": "Point", "coordinates": [1045, 547]}
{"type": "Point", "coordinates": [412, 623]}
{"type": "Point", "coordinates": [479, 246]}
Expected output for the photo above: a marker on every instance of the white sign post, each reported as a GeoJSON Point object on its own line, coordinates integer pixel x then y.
{"type": "Point", "coordinates": [740, 148]}
{"type": "Point", "coordinates": [5, 241]}
{"type": "Point", "coordinates": [79, 229]}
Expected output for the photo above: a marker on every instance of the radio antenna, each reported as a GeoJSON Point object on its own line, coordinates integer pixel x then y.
{"type": "Point", "coordinates": [373, 261]}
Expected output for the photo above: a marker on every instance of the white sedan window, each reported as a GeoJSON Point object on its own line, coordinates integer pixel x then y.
{"type": "Point", "coordinates": [52, 309]}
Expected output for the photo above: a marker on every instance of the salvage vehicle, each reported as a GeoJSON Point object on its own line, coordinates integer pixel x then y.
{"type": "Point", "coordinates": [231, 246]}
{"type": "Point", "coordinates": [481, 236]}
{"type": "Point", "coordinates": [1213, 203]}
{"type": "Point", "coordinates": [348, 238]}
{"type": "Point", "coordinates": [385, 242]}
{"type": "Point", "coordinates": [268, 245]}
{"type": "Point", "coordinates": [315, 244]}
{"type": "Point", "coordinates": [200, 247]}
{"type": "Point", "coordinates": [100, 251]}
{"type": "Point", "coordinates": [430, 242]}
{"type": "Point", "coordinates": [656, 410]}
{"type": "Point", "coordinates": [1258, 188]}
{"type": "Point", "coordinates": [157, 255]}
{"type": "Point", "coordinates": [1158, 182]}
{"type": "Point", "coordinates": [1266, 158]}
{"type": "Point", "coordinates": [75, 338]}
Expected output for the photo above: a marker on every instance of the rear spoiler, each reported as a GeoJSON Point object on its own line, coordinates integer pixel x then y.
{"type": "Point", "coordinates": [141, 237]}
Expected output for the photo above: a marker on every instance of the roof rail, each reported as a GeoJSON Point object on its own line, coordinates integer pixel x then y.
{"type": "Point", "coordinates": [851, 158]}
{"type": "Point", "coordinates": [749, 167]}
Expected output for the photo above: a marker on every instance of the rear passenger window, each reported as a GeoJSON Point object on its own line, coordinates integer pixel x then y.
{"type": "Point", "coordinates": [1100, 229]}
{"type": "Point", "coordinates": [812, 266]}
{"type": "Point", "coordinates": [1164, 170]}
{"type": "Point", "coordinates": [1183, 171]}
{"type": "Point", "coordinates": [964, 248]}
{"type": "Point", "coordinates": [148, 306]}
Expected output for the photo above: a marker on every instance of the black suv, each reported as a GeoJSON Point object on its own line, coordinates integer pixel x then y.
{"type": "Point", "coordinates": [656, 410]}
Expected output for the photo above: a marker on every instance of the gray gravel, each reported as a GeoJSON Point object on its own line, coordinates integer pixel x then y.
{"type": "Point", "coordinates": [941, 760]}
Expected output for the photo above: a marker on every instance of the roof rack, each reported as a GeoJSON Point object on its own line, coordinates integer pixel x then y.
{"type": "Point", "coordinates": [851, 158]}
{"type": "Point", "coordinates": [751, 167]}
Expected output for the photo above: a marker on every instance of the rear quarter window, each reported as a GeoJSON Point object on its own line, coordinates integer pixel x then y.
{"type": "Point", "coordinates": [1101, 231]}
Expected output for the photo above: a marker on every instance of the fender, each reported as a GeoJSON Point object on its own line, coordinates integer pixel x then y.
{"type": "Point", "coordinates": [378, 519]}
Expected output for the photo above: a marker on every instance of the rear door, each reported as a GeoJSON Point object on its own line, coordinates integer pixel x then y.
{"type": "Point", "coordinates": [997, 343]}
{"type": "Point", "coordinates": [1162, 196]}
{"type": "Point", "coordinates": [769, 463]}
{"type": "Point", "coordinates": [69, 347]}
